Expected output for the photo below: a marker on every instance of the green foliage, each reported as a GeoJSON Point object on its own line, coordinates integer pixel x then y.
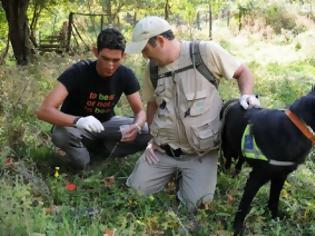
{"type": "Point", "coordinates": [279, 18]}
{"type": "Point", "coordinates": [21, 214]}
{"type": "Point", "coordinates": [41, 204]}
{"type": "Point", "coordinates": [3, 29]}
{"type": "Point", "coordinates": [93, 207]}
{"type": "Point", "coordinates": [280, 84]}
{"type": "Point", "coordinates": [19, 87]}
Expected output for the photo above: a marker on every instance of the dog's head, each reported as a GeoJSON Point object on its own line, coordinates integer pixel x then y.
{"type": "Point", "coordinates": [304, 108]}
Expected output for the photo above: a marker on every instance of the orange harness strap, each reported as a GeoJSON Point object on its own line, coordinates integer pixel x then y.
{"type": "Point", "coordinates": [305, 129]}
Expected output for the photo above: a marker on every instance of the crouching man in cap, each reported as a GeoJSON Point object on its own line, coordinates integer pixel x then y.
{"type": "Point", "coordinates": [183, 111]}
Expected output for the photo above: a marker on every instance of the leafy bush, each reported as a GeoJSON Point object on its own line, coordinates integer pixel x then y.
{"type": "Point", "coordinates": [279, 18]}
{"type": "Point", "coordinates": [20, 214]}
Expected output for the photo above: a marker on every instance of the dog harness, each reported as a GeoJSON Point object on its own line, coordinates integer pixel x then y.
{"type": "Point", "coordinates": [304, 128]}
{"type": "Point", "coordinates": [249, 146]}
{"type": "Point", "coordinates": [252, 151]}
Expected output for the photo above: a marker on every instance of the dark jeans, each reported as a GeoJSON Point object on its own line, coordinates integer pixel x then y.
{"type": "Point", "coordinates": [80, 145]}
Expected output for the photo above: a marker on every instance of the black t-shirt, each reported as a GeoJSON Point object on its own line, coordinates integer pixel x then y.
{"type": "Point", "coordinates": [90, 94]}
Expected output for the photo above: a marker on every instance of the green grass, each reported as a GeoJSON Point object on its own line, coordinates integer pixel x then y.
{"type": "Point", "coordinates": [34, 202]}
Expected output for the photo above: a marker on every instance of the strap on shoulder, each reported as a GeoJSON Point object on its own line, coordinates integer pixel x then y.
{"type": "Point", "coordinates": [196, 59]}
{"type": "Point", "coordinates": [153, 73]}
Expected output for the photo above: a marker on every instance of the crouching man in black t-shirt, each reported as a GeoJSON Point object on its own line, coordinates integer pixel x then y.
{"type": "Point", "coordinates": [87, 93]}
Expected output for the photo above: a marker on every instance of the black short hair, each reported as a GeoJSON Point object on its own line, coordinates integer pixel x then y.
{"type": "Point", "coordinates": [167, 34]}
{"type": "Point", "coordinates": [111, 38]}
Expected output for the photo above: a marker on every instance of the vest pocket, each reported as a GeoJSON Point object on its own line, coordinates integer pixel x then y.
{"type": "Point", "coordinates": [206, 136]}
{"type": "Point", "coordinates": [199, 102]}
{"type": "Point", "coordinates": [163, 90]}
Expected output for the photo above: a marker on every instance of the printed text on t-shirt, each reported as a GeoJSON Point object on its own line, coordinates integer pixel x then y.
{"type": "Point", "coordinates": [99, 103]}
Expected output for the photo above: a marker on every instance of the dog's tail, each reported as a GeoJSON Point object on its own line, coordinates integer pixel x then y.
{"type": "Point", "coordinates": [225, 109]}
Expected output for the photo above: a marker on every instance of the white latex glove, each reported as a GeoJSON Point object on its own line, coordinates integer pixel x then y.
{"type": "Point", "coordinates": [249, 101]}
{"type": "Point", "coordinates": [90, 123]}
{"type": "Point", "coordinates": [149, 154]}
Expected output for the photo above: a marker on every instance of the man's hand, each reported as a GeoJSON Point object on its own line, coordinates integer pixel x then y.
{"type": "Point", "coordinates": [249, 101]}
{"type": "Point", "coordinates": [90, 123]}
{"type": "Point", "coordinates": [129, 132]}
{"type": "Point", "coordinates": [149, 154]}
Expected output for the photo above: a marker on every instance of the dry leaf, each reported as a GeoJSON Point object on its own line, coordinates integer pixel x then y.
{"type": "Point", "coordinates": [109, 181]}
{"type": "Point", "coordinates": [52, 209]}
{"type": "Point", "coordinates": [8, 161]}
{"type": "Point", "coordinates": [230, 198]}
{"type": "Point", "coordinates": [170, 187]}
{"type": "Point", "coordinates": [109, 232]}
{"type": "Point", "coordinates": [206, 206]}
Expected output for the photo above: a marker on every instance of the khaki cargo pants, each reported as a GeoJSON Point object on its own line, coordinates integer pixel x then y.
{"type": "Point", "coordinates": [196, 186]}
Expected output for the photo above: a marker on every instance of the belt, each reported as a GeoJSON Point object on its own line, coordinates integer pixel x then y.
{"type": "Point", "coordinates": [176, 153]}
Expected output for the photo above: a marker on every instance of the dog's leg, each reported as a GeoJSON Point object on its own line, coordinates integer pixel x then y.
{"type": "Point", "coordinates": [275, 189]}
{"type": "Point", "coordinates": [256, 179]}
{"type": "Point", "coordinates": [238, 166]}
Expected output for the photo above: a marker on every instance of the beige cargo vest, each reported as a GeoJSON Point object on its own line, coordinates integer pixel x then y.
{"type": "Point", "coordinates": [188, 109]}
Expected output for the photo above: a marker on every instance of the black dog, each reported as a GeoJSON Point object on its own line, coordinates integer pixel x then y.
{"type": "Point", "coordinates": [278, 138]}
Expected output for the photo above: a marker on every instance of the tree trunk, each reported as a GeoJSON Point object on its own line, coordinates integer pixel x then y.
{"type": "Point", "coordinates": [167, 10]}
{"type": "Point", "coordinates": [240, 15]}
{"type": "Point", "coordinates": [135, 18]}
{"type": "Point", "coordinates": [69, 33]}
{"type": "Point", "coordinates": [108, 10]}
{"type": "Point", "coordinates": [15, 11]}
{"type": "Point", "coordinates": [228, 18]}
{"type": "Point", "coordinates": [198, 21]}
{"type": "Point", "coordinates": [102, 23]}
{"type": "Point", "coordinates": [210, 21]}
{"type": "Point", "coordinates": [115, 15]}
{"type": "Point", "coordinates": [33, 26]}
{"type": "Point", "coordinates": [92, 19]}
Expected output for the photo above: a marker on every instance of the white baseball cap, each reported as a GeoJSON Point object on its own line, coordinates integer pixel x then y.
{"type": "Point", "coordinates": [145, 29]}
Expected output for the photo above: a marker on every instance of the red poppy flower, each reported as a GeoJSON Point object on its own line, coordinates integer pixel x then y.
{"type": "Point", "coordinates": [71, 187]}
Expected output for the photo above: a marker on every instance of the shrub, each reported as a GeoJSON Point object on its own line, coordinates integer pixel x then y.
{"type": "Point", "coordinates": [20, 215]}
{"type": "Point", "coordinates": [279, 18]}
